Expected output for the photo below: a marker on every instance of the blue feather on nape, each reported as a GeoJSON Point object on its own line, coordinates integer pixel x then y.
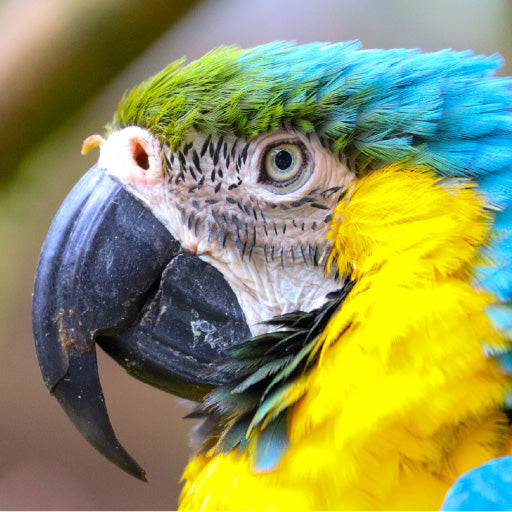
{"type": "Point", "coordinates": [497, 188]}
{"type": "Point", "coordinates": [487, 487]}
{"type": "Point", "coordinates": [497, 276]}
{"type": "Point", "coordinates": [501, 317]}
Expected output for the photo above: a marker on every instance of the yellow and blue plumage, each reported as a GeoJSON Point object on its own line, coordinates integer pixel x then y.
{"type": "Point", "coordinates": [403, 399]}
{"type": "Point", "coordinates": [382, 395]}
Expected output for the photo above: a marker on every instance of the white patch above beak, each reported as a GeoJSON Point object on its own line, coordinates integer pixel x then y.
{"type": "Point", "coordinates": [132, 155]}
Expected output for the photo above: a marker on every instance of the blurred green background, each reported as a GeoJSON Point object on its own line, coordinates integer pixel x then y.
{"type": "Point", "coordinates": [64, 64]}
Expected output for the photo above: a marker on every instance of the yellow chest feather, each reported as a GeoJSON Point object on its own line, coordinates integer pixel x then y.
{"type": "Point", "coordinates": [403, 399]}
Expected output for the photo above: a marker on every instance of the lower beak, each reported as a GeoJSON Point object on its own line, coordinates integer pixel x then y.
{"type": "Point", "coordinates": [111, 273]}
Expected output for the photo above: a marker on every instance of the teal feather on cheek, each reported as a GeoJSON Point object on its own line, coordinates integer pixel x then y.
{"type": "Point", "coordinates": [271, 444]}
{"type": "Point", "coordinates": [250, 410]}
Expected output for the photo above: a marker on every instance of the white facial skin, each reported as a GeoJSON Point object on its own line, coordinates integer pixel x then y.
{"type": "Point", "coordinates": [267, 237]}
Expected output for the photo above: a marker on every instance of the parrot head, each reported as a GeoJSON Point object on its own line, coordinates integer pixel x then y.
{"type": "Point", "coordinates": [198, 251]}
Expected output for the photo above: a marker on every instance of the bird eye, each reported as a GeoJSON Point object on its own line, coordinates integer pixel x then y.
{"type": "Point", "coordinates": [283, 164]}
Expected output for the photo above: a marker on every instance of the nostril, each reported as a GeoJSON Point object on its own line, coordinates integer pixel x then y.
{"type": "Point", "coordinates": [133, 156]}
{"type": "Point", "coordinates": [140, 156]}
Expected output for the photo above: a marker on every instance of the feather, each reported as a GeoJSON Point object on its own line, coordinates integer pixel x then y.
{"type": "Point", "coordinates": [271, 445]}
{"type": "Point", "coordinates": [266, 376]}
{"type": "Point", "coordinates": [487, 487]}
{"type": "Point", "coordinates": [444, 110]}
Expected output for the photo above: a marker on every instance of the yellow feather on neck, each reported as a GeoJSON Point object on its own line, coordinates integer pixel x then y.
{"type": "Point", "coordinates": [402, 399]}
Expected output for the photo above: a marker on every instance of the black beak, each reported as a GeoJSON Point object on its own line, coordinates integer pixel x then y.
{"type": "Point", "coordinates": [111, 273]}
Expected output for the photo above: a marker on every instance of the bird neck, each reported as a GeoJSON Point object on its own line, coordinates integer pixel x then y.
{"type": "Point", "coordinates": [402, 398]}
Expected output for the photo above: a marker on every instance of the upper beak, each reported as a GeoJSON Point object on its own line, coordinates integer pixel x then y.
{"type": "Point", "coordinates": [110, 272]}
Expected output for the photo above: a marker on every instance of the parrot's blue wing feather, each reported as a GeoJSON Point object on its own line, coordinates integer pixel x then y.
{"type": "Point", "coordinates": [487, 487]}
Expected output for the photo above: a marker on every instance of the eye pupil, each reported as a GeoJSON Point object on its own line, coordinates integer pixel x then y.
{"type": "Point", "coordinates": [283, 164]}
{"type": "Point", "coordinates": [283, 160]}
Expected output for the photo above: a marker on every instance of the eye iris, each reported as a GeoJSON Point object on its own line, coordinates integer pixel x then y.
{"type": "Point", "coordinates": [283, 164]}
{"type": "Point", "coordinates": [283, 160]}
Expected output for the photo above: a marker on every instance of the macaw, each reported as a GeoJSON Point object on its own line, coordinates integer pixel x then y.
{"type": "Point", "coordinates": [314, 244]}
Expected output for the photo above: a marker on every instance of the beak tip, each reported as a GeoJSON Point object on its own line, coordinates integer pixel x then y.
{"type": "Point", "coordinates": [81, 397]}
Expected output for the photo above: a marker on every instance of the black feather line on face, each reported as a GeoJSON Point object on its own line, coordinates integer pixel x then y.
{"type": "Point", "coordinates": [205, 145]}
{"type": "Point", "coordinates": [217, 151]}
{"type": "Point", "coordinates": [202, 176]}
{"type": "Point", "coordinates": [187, 146]}
{"type": "Point", "coordinates": [259, 370]}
